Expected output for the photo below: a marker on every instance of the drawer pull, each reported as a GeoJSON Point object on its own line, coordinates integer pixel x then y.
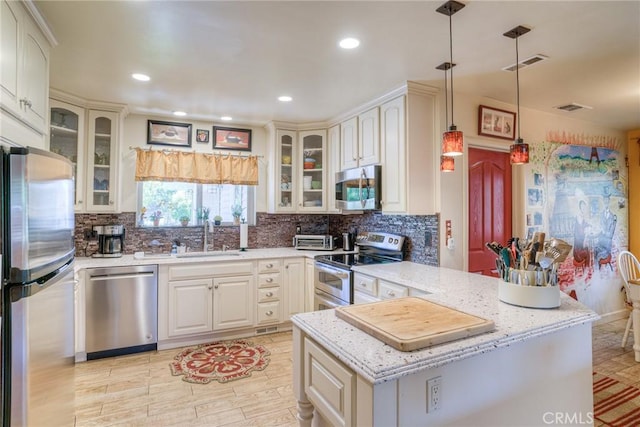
{"type": "Point", "coordinates": [269, 265]}
{"type": "Point", "coordinates": [391, 293]}
{"type": "Point", "coordinates": [269, 313]}
{"type": "Point", "coordinates": [364, 285]}
{"type": "Point", "coordinates": [269, 294]}
{"type": "Point", "coordinates": [270, 279]}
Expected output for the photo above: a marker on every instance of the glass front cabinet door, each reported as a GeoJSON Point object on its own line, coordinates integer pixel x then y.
{"type": "Point", "coordinates": [67, 139]}
{"type": "Point", "coordinates": [102, 161]}
{"type": "Point", "coordinates": [312, 194]}
{"type": "Point", "coordinates": [286, 155]}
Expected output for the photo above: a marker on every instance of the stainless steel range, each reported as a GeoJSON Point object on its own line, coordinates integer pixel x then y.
{"type": "Point", "coordinates": [333, 275]}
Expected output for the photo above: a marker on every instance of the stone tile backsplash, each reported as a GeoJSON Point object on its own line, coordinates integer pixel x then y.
{"type": "Point", "coordinates": [270, 231]}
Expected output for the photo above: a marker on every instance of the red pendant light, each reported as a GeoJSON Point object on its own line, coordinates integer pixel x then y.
{"type": "Point", "coordinates": [447, 164]}
{"type": "Point", "coordinates": [519, 150]}
{"type": "Point", "coordinates": [453, 139]}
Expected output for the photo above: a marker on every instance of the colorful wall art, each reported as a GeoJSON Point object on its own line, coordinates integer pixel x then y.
{"type": "Point", "coordinates": [577, 192]}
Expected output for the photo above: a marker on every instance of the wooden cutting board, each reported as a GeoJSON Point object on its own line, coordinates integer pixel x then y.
{"type": "Point", "coordinates": [412, 323]}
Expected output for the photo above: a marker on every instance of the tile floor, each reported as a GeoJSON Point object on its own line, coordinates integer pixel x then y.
{"type": "Point", "coordinates": [139, 390]}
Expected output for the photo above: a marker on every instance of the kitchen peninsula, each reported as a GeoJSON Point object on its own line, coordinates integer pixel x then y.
{"type": "Point", "coordinates": [533, 369]}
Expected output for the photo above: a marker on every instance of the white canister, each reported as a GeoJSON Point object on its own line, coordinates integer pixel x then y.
{"type": "Point", "coordinates": [306, 182]}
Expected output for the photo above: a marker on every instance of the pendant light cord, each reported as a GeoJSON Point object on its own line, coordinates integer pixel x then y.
{"type": "Point", "coordinates": [446, 98]}
{"type": "Point", "coordinates": [518, 89]}
{"type": "Point", "coordinates": [451, 63]}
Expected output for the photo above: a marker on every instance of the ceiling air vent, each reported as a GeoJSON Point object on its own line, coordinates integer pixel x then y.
{"type": "Point", "coordinates": [573, 107]}
{"type": "Point", "coordinates": [526, 62]}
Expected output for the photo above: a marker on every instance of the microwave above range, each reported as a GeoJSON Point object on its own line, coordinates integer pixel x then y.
{"type": "Point", "coordinates": [359, 189]}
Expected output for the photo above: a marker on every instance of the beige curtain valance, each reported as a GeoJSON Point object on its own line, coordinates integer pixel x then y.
{"type": "Point", "coordinates": [202, 168]}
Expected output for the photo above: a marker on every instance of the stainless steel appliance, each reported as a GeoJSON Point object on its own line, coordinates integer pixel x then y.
{"type": "Point", "coordinates": [37, 287]}
{"type": "Point", "coordinates": [314, 242]}
{"type": "Point", "coordinates": [121, 310]}
{"type": "Point", "coordinates": [347, 241]}
{"type": "Point", "coordinates": [359, 188]}
{"type": "Point", "coordinates": [110, 240]}
{"type": "Point", "coordinates": [333, 284]}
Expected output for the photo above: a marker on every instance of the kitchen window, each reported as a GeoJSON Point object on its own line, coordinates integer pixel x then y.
{"type": "Point", "coordinates": [172, 203]}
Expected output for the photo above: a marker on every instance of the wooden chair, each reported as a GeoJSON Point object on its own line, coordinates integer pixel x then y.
{"type": "Point", "coordinates": [629, 268]}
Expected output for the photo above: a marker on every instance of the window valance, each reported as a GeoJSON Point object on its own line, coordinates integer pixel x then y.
{"type": "Point", "coordinates": [201, 168]}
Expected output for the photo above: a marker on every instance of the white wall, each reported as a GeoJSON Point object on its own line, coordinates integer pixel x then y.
{"type": "Point", "coordinates": [135, 135]}
{"type": "Point", "coordinates": [535, 125]}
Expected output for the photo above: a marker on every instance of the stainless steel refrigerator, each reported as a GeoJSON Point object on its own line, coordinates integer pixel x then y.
{"type": "Point", "coordinates": [37, 288]}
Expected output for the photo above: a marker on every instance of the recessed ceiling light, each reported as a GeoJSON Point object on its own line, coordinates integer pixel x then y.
{"type": "Point", "coordinates": [141, 77]}
{"type": "Point", "coordinates": [349, 43]}
{"type": "Point", "coordinates": [179, 113]}
{"type": "Point", "coordinates": [226, 118]}
{"type": "Point", "coordinates": [285, 98]}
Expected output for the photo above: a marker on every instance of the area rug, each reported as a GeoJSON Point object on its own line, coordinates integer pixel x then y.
{"type": "Point", "coordinates": [222, 361]}
{"type": "Point", "coordinates": [615, 404]}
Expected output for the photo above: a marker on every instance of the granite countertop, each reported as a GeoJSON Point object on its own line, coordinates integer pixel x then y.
{"type": "Point", "coordinates": [231, 255]}
{"type": "Point", "coordinates": [470, 293]}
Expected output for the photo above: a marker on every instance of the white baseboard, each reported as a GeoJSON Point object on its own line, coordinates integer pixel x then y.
{"type": "Point", "coordinates": [613, 316]}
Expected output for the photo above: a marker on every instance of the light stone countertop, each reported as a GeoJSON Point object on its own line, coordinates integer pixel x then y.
{"type": "Point", "coordinates": [470, 293]}
{"type": "Point", "coordinates": [230, 255]}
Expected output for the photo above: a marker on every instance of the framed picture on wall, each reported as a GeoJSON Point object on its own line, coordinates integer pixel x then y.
{"type": "Point", "coordinates": [496, 123]}
{"type": "Point", "coordinates": [168, 133]}
{"type": "Point", "coordinates": [231, 139]}
{"type": "Point", "coordinates": [202, 135]}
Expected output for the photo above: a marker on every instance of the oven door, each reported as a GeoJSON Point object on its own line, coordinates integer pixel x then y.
{"type": "Point", "coordinates": [323, 301]}
{"type": "Point", "coordinates": [333, 281]}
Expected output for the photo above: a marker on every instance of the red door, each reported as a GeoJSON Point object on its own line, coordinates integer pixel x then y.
{"type": "Point", "coordinates": [489, 207]}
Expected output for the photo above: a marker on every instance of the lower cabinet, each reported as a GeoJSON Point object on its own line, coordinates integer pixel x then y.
{"type": "Point", "coordinates": [294, 284]}
{"type": "Point", "coordinates": [190, 308]}
{"type": "Point", "coordinates": [233, 302]}
{"type": "Point", "coordinates": [371, 289]}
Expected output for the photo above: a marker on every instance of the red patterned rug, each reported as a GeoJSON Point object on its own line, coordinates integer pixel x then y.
{"type": "Point", "coordinates": [222, 361]}
{"type": "Point", "coordinates": [615, 404]}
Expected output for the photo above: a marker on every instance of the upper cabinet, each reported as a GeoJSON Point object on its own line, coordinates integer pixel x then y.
{"type": "Point", "coordinates": [360, 139]}
{"type": "Point", "coordinates": [24, 76]}
{"type": "Point", "coordinates": [299, 182]}
{"type": "Point", "coordinates": [409, 152]}
{"type": "Point", "coordinates": [88, 134]}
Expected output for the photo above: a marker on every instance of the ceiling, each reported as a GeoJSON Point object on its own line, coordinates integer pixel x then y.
{"type": "Point", "coordinates": [235, 58]}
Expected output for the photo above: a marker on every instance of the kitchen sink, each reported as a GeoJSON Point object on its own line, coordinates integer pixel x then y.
{"type": "Point", "coordinates": [207, 254]}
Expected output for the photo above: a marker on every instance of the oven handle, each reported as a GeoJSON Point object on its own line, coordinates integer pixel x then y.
{"type": "Point", "coordinates": [331, 270]}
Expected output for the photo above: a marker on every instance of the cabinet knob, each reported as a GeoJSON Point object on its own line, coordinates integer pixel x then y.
{"type": "Point", "coordinates": [269, 313]}
{"type": "Point", "coordinates": [79, 202]}
{"type": "Point", "coordinates": [269, 294]}
{"type": "Point", "coordinates": [111, 202]}
{"type": "Point", "coordinates": [209, 286]}
{"type": "Point", "coordinates": [270, 279]}
{"type": "Point", "coordinates": [364, 285]}
{"type": "Point", "coordinates": [215, 287]}
{"type": "Point", "coordinates": [269, 265]}
{"type": "Point", "coordinates": [354, 159]}
{"type": "Point", "coordinates": [391, 293]}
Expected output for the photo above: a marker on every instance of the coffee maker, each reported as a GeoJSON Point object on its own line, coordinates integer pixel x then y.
{"type": "Point", "coordinates": [110, 240]}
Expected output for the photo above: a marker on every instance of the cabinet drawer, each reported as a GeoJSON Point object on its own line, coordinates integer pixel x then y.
{"type": "Point", "coordinates": [269, 266]}
{"type": "Point", "coordinates": [269, 312]}
{"type": "Point", "coordinates": [193, 271]}
{"type": "Point", "coordinates": [390, 290]}
{"type": "Point", "coordinates": [329, 385]}
{"type": "Point", "coordinates": [365, 284]}
{"type": "Point", "coordinates": [362, 298]}
{"type": "Point", "coordinates": [266, 280]}
{"type": "Point", "coordinates": [269, 294]}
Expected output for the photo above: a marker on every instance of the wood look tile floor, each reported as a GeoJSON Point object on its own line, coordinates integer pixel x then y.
{"type": "Point", "coordinates": [139, 390]}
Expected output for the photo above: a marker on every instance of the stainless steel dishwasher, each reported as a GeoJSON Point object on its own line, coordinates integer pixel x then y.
{"type": "Point", "coordinates": [121, 310]}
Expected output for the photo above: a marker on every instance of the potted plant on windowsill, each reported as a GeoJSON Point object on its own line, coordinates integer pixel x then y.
{"type": "Point", "coordinates": [184, 220]}
{"type": "Point", "coordinates": [155, 217]}
{"type": "Point", "coordinates": [217, 220]}
{"type": "Point", "coordinates": [236, 211]}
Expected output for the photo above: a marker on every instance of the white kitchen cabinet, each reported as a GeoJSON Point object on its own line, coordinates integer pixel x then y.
{"type": "Point", "coordinates": [67, 138]}
{"type": "Point", "coordinates": [102, 161]}
{"type": "Point", "coordinates": [269, 292]}
{"type": "Point", "coordinates": [287, 183]}
{"type": "Point", "coordinates": [371, 289]}
{"type": "Point", "coordinates": [233, 302]}
{"type": "Point", "coordinates": [360, 140]}
{"type": "Point", "coordinates": [293, 280]}
{"type": "Point", "coordinates": [410, 153]}
{"type": "Point", "coordinates": [24, 75]}
{"type": "Point", "coordinates": [349, 143]}
{"type": "Point", "coordinates": [333, 160]}
{"type": "Point", "coordinates": [190, 309]}
{"type": "Point", "coordinates": [311, 177]}
{"type": "Point", "coordinates": [309, 283]}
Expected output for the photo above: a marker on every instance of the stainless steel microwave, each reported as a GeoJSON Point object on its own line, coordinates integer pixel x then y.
{"type": "Point", "coordinates": [359, 189]}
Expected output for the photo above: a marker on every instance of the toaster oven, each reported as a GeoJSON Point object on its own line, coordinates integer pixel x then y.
{"type": "Point", "coordinates": [314, 242]}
